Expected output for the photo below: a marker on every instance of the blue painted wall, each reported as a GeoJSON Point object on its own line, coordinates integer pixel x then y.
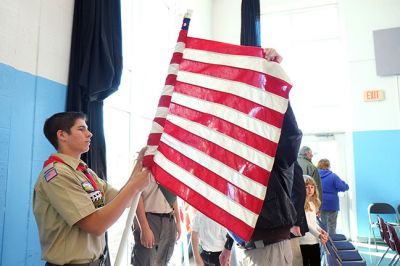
{"type": "Point", "coordinates": [377, 172]}
{"type": "Point", "coordinates": [25, 102]}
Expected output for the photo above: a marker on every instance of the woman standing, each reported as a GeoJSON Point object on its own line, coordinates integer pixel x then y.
{"type": "Point", "coordinates": [331, 185]}
{"type": "Point", "coordinates": [309, 243]}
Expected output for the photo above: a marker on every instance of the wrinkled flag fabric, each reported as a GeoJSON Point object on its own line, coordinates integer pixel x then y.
{"type": "Point", "coordinates": [217, 127]}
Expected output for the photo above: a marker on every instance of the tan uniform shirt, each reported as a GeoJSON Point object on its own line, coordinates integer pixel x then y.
{"type": "Point", "coordinates": [62, 197]}
{"type": "Point", "coordinates": [154, 200]}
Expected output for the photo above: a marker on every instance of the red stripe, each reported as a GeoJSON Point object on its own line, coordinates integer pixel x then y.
{"type": "Point", "coordinates": [240, 134]}
{"type": "Point", "coordinates": [217, 182]}
{"type": "Point", "coordinates": [243, 105]}
{"type": "Point", "coordinates": [253, 78]}
{"type": "Point", "coordinates": [170, 80]}
{"type": "Point", "coordinates": [203, 204]}
{"type": "Point", "coordinates": [176, 58]}
{"type": "Point", "coordinates": [226, 157]}
{"type": "Point", "coordinates": [164, 101]}
{"type": "Point", "coordinates": [159, 120]}
{"type": "Point", "coordinates": [223, 48]}
{"type": "Point", "coordinates": [154, 139]}
{"type": "Point", "coordinates": [182, 36]}
{"type": "Point", "coordinates": [148, 161]}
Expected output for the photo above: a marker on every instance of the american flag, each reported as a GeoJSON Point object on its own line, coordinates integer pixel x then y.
{"type": "Point", "coordinates": [217, 128]}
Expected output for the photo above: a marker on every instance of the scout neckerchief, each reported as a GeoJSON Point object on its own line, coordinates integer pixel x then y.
{"type": "Point", "coordinates": [81, 167]}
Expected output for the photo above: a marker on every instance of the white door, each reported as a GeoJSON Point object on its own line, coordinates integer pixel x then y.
{"type": "Point", "coordinates": [332, 146]}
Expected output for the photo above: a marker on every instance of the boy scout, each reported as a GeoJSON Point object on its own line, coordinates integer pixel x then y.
{"type": "Point", "coordinates": [73, 207]}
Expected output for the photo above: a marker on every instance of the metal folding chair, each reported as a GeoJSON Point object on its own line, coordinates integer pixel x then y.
{"type": "Point", "coordinates": [395, 242]}
{"type": "Point", "coordinates": [379, 209]}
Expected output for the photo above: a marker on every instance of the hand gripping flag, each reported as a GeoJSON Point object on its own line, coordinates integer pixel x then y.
{"type": "Point", "coordinates": [217, 128]}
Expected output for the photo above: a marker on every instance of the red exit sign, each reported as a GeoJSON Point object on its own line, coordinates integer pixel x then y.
{"type": "Point", "coordinates": [374, 95]}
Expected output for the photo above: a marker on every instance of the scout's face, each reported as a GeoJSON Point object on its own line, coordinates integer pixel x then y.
{"type": "Point", "coordinates": [77, 141]}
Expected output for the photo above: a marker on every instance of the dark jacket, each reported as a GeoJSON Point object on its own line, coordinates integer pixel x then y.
{"type": "Point", "coordinates": [299, 197]}
{"type": "Point", "coordinates": [278, 214]}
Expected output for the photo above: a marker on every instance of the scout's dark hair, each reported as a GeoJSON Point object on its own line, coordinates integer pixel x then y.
{"type": "Point", "coordinates": [60, 121]}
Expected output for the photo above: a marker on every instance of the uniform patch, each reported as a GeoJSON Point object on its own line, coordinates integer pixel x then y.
{"type": "Point", "coordinates": [87, 187]}
{"type": "Point", "coordinates": [50, 173]}
{"type": "Point", "coordinates": [97, 199]}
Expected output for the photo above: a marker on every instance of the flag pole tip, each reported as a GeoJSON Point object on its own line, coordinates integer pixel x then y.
{"type": "Point", "coordinates": [188, 13]}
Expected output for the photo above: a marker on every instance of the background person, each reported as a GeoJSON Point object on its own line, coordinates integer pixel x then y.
{"type": "Point", "coordinates": [305, 162]}
{"type": "Point", "coordinates": [331, 185]}
{"type": "Point", "coordinates": [309, 243]}
{"type": "Point", "coordinates": [208, 235]}
{"type": "Point", "coordinates": [157, 226]}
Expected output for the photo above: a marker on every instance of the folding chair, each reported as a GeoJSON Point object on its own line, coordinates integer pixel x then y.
{"type": "Point", "coordinates": [384, 235]}
{"type": "Point", "coordinates": [394, 241]}
{"type": "Point", "coordinates": [343, 257]}
{"type": "Point", "coordinates": [379, 209]}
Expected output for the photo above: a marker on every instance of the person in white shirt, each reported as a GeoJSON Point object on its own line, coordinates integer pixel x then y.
{"type": "Point", "coordinates": [210, 236]}
{"type": "Point", "coordinates": [309, 243]}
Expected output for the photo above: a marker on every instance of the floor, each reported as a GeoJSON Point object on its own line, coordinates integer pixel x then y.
{"type": "Point", "coordinates": [371, 255]}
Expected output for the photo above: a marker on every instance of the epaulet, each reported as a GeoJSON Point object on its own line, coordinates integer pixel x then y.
{"type": "Point", "coordinates": [49, 172]}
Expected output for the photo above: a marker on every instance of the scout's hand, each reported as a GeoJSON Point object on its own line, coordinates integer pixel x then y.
{"type": "Point", "coordinates": [141, 179]}
{"type": "Point", "coordinates": [272, 55]}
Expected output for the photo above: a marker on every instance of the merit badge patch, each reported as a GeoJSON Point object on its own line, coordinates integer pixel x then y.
{"type": "Point", "coordinates": [87, 187]}
{"type": "Point", "coordinates": [50, 173]}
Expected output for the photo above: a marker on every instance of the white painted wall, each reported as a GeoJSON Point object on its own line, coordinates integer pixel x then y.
{"type": "Point", "coordinates": [360, 19]}
{"type": "Point", "coordinates": [36, 36]}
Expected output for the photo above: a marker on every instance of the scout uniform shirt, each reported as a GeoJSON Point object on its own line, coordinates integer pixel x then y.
{"type": "Point", "coordinates": [62, 196]}
{"type": "Point", "coordinates": [154, 200]}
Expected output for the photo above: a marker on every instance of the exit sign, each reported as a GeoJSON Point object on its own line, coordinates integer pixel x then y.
{"type": "Point", "coordinates": [374, 95]}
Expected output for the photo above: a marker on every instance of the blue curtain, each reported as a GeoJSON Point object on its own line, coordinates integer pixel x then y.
{"type": "Point", "coordinates": [250, 28]}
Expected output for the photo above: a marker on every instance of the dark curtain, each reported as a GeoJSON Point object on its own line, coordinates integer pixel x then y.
{"type": "Point", "coordinates": [250, 29]}
{"type": "Point", "coordinates": [95, 69]}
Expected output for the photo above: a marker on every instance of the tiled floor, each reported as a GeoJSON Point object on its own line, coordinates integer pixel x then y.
{"type": "Point", "coordinates": [371, 255]}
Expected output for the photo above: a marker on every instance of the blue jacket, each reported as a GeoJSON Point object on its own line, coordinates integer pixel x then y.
{"type": "Point", "coordinates": [331, 185]}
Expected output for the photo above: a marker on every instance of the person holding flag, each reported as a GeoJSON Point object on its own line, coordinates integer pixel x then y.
{"type": "Point", "coordinates": [73, 207]}
{"type": "Point", "coordinates": [270, 244]}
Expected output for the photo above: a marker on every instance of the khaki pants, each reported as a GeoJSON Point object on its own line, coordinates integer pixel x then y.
{"type": "Point", "coordinates": [275, 254]}
{"type": "Point", "coordinates": [297, 257]}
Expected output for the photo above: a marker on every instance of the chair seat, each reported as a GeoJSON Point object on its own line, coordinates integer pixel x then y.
{"type": "Point", "coordinates": [338, 237]}
{"type": "Point", "coordinates": [353, 263]}
{"type": "Point", "coordinates": [349, 255]}
{"type": "Point", "coordinates": [343, 245]}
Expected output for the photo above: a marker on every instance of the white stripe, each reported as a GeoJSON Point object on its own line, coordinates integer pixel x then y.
{"type": "Point", "coordinates": [179, 47]}
{"type": "Point", "coordinates": [239, 148]}
{"type": "Point", "coordinates": [151, 150]}
{"type": "Point", "coordinates": [161, 112]}
{"type": "Point", "coordinates": [251, 93]}
{"type": "Point", "coordinates": [207, 191]}
{"type": "Point", "coordinates": [173, 69]}
{"type": "Point", "coordinates": [229, 114]}
{"type": "Point", "coordinates": [156, 128]}
{"type": "Point", "coordinates": [167, 90]}
{"type": "Point", "coordinates": [224, 171]}
{"type": "Point", "coordinates": [241, 61]}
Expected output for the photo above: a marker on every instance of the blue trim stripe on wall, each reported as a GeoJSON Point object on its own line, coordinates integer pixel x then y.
{"type": "Point", "coordinates": [26, 101]}
{"type": "Point", "coordinates": [377, 172]}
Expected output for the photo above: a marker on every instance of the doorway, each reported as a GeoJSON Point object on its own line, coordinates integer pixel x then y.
{"type": "Point", "coordinates": [332, 146]}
